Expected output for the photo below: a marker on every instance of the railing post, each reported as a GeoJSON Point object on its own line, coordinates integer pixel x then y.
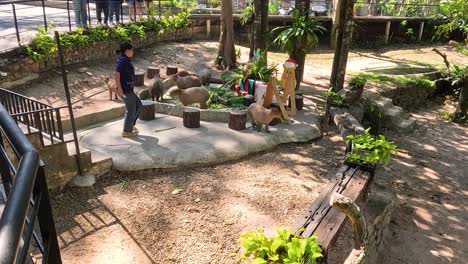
{"type": "Point", "coordinates": [5, 174]}
{"type": "Point", "coordinates": [68, 13]}
{"type": "Point", "coordinates": [121, 13]}
{"type": "Point", "coordinates": [70, 109]}
{"type": "Point", "coordinates": [44, 14]}
{"type": "Point", "coordinates": [46, 220]}
{"type": "Point", "coordinates": [16, 24]}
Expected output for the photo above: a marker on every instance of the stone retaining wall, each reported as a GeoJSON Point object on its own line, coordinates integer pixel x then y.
{"type": "Point", "coordinates": [18, 68]}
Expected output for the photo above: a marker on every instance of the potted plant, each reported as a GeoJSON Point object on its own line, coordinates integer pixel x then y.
{"type": "Point", "coordinates": [287, 247]}
{"type": "Point", "coordinates": [368, 150]}
{"type": "Point", "coordinates": [357, 82]}
{"type": "Point", "coordinates": [334, 99]}
{"type": "Point", "coordinates": [298, 38]}
{"type": "Point", "coordinates": [362, 9]}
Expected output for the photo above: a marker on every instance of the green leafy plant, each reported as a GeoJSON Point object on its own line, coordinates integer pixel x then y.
{"type": "Point", "coordinates": [334, 98]}
{"type": "Point", "coordinates": [286, 248]}
{"type": "Point", "coordinates": [369, 149]}
{"type": "Point", "coordinates": [42, 45]}
{"type": "Point", "coordinates": [273, 8]}
{"type": "Point", "coordinates": [301, 36]}
{"type": "Point", "coordinates": [222, 98]}
{"type": "Point", "coordinates": [247, 13]}
{"type": "Point", "coordinates": [428, 85]}
{"type": "Point", "coordinates": [136, 30]}
{"type": "Point", "coordinates": [238, 53]}
{"type": "Point", "coordinates": [358, 82]}
{"type": "Point", "coordinates": [456, 117]}
{"type": "Point", "coordinates": [260, 70]}
{"type": "Point", "coordinates": [454, 13]}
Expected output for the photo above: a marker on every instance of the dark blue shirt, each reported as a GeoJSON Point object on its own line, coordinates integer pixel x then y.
{"type": "Point", "coordinates": [127, 74]}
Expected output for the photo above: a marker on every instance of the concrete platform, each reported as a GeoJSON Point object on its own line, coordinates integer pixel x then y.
{"type": "Point", "coordinates": [166, 143]}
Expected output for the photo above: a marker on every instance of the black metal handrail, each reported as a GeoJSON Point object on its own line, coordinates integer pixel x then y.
{"type": "Point", "coordinates": [26, 190]}
{"type": "Point", "coordinates": [46, 119]}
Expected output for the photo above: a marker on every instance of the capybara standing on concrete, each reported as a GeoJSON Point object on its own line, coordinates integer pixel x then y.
{"type": "Point", "coordinates": [191, 95]}
{"type": "Point", "coordinates": [156, 88]}
{"type": "Point", "coordinates": [259, 115]}
{"type": "Point", "coordinates": [186, 82]}
{"type": "Point", "coordinates": [111, 87]}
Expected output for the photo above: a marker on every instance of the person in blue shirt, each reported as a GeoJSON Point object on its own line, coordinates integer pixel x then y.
{"type": "Point", "coordinates": [124, 78]}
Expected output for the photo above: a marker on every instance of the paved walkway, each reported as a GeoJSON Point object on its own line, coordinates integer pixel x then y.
{"type": "Point", "coordinates": [166, 143]}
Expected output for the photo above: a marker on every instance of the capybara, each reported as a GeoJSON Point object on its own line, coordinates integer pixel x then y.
{"type": "Point", "coordinates": [110, 83]}
{"type": "Point", "coordinates": [191, 95]}
{"type": "Point", "coordinates": [156, 88]}
{"type": "Point", "coordinates": [259, 116]}
{"type": "Point", "coordinates": [186, 82]}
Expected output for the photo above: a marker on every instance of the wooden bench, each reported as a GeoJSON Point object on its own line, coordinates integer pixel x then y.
{"type": "Point", "coordinates": [321, 218]}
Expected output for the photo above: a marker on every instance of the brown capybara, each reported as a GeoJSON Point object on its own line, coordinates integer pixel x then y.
{"type": "Point", "coordinates": [191, 95]}
{"type": "Point", "coordinates": [156, 88]}
{"type": "Point", "coordinates": [259, 116]}
{"type": "Point", "coordinates": [111, 86]}
{"type": "Point", "coordinates": [186, 82]}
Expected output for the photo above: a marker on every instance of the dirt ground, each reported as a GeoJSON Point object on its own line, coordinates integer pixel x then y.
{"type": "Point", "coordinates": [197, 215]}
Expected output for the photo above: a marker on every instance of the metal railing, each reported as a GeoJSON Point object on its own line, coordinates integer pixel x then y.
{"type": "Point", "coordinates": [34, 116]}
{"type": "Point", "coordinates": [27, 214]}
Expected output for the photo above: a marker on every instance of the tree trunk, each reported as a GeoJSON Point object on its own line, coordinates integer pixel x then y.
{"type": "Point", "coordinates": [260, 24]}
{"type": "Point", "coordinates": [343, 43]}
{"type": "Point", "coordinates": [302, 6]}
{"type": "Point", "coordinates": [226, 39]}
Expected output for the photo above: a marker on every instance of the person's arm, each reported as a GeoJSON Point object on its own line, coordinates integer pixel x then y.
{"type": "Point", "coordinates": [118, 85]}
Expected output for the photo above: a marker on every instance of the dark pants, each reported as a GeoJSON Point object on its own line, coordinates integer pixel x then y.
{"type": "Point", "coordinates": [114, 8]}
{"type": "Point", "coordinates": [133, 108]}
{"type": "Point", "coordinates": [102, 6]}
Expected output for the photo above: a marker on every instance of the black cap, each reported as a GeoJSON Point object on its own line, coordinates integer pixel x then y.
{"type": "Point", "coordinates": [124, 46]}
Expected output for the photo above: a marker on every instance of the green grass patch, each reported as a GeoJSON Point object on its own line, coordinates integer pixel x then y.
{"type": "Point", "coordinates": [399, 81]}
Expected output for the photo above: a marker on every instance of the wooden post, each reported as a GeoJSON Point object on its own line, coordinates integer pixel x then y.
{"type": "Point", "coordinates": [147, 111]}
{"type": "Point", "coordinates": [208, 28]}
{"type": "Point", "coordinates": [170, 70]}
{"type": "Point", "coordinates": [237, 120]}
{"type": "Point", "coordinates": [152, 72]}
{"type": "Point", "coordinates": [139, 78]}
{"type": "Point", "coordinates": [191, 118]}
{"type": "Point", "coordinates": [387, 31]}
{"type": "Point", "coordinates": [421, 29]}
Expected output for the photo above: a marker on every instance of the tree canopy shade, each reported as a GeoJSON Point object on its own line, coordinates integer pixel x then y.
{"type": "Point", "coordinates": [455, 15]}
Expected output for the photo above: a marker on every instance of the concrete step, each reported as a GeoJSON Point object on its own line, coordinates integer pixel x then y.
{"type": "Point", "coordinates": [97, 163]}
{"type": "Point", "coordinates": [393, 117]}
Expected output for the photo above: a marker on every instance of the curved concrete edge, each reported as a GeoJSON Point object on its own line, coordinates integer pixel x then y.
{"type": "Point", "coordinates": [164, 143]}
{"type": "Point", "coordinates": [205, 114]}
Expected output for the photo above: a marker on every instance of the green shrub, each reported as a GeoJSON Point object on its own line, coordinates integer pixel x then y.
{"type": "Point", "coordinates": [370, 149]}
{"type": "Point", "coordinates": [334, 98]}
{"type": "Point", "coordinates": [286, 248]}
{"type": "Point", "coordinates": [42, 45]}
{"type": "Point", "coordinates": [260, 71]}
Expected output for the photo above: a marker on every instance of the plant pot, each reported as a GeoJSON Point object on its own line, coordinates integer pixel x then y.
{"type": "Point", "coordinates": [362, 11]}
{"type": "Point", "coordinates": [363, 166]}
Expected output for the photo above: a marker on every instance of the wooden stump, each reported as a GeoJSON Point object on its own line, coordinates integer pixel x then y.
{"type": "Point", "coordinates": [299, 101]}
{"type": "Point", "coordinates": [152, 72]}
{"type": "Point", "coordinates": [237, 120]}
{"type": "Point", "coordinates": [147, 111]}
{"type": "Point", "coordinates": [191, 118]}
{"type": "Point", "coordinates": [139, 78]}
{"type": "Point", "coordinates": [170, 70]}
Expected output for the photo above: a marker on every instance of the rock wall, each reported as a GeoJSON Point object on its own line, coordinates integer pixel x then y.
{"type": "Point", "coordinates": [18, 68]}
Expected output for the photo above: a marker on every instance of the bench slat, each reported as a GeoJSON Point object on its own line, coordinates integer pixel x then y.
{"type": "Point", "coordinates": [332, 223]}
{"type": "Point", "coordinates": [323, 206]}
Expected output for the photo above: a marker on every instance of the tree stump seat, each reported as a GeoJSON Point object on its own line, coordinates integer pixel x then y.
{"type": "Point", "coordinates": [139, 78]}
{"type": "Point", "coordinates": [147, 111]}
{"type": "Point", "coordinates": [237, 120]}
{"type": "Point", "coordinates": [170, 70]}
{"type": "Point", "coordinates": [325, 221]}
{"type": "Point", "coordinates": [152, 72]}
{"type": "Point", "coordinates": [191, 118]}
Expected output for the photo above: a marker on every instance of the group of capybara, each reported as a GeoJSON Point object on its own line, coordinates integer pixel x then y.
{"type": "Point", "coordinates": [188, 89]}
